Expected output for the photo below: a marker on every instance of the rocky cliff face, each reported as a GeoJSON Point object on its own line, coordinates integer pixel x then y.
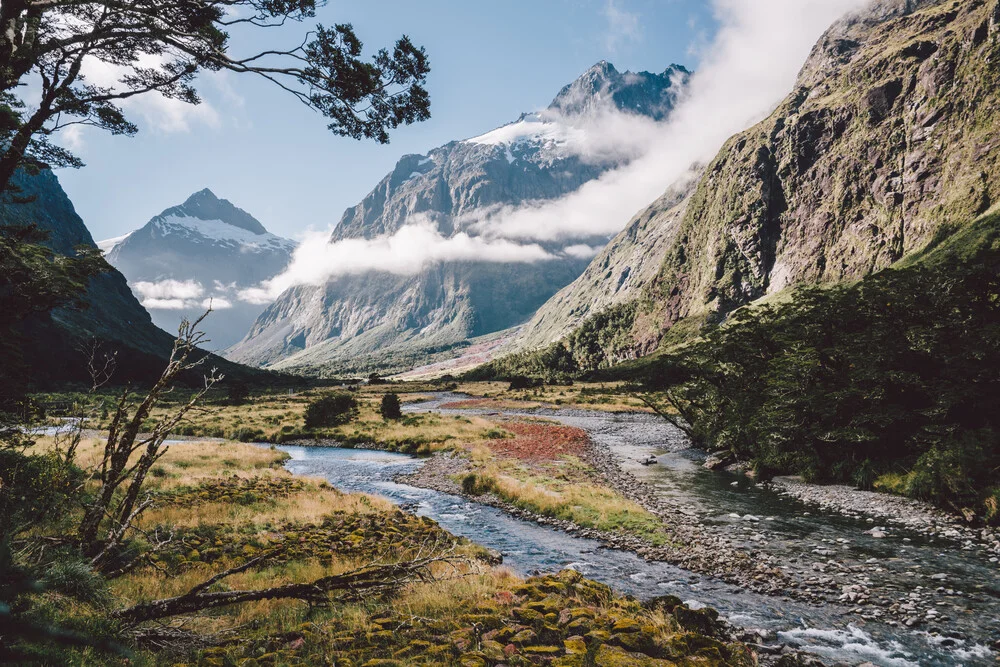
{"type": "Point", "coordinates": [56, 342]}
{"type": "Point", "coordinates": [888, 141]}
{"type": "Point", "coordinates": [541, 156]}
{"type": "Point", "coordinates": [204, 250]}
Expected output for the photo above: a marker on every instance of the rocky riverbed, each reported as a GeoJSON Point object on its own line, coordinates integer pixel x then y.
{"type": "Point", "coordinates": [879, 559]}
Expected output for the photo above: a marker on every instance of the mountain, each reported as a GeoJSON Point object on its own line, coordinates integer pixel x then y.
{"type": "Point", "coordinates": [888, 143]}
{"type": "Point", "coordinates": [204, 250]}
{"type": "Point", "coordinates": [380, 318]}
{"type": "Point", "coordinates": [55, 342]}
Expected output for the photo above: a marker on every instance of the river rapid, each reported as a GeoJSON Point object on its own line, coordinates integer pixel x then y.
{"type": "Point", "coordinates": [954, 591]}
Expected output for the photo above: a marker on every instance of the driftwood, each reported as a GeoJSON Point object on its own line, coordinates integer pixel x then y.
{"type": "Point", "coordinates": [370, 580]}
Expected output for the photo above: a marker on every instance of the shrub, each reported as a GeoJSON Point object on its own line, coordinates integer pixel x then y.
{"type": "Point", "coordinates": [390, 408]}
{"type": "Point", "coordinates": [331, 410]}
{"type": "Point", "coordinates": [522, 382]}
{"type": "Point", "coordinates": [247, 434]}
{"type": "Point", "coordinates": [77, 580]}
{"type": "Point", "coordinates": [239, 392]}
{"type": "Point", "coordinates": [476, 485]}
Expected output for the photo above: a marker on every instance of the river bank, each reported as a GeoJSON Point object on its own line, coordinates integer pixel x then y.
{"type": "Point", "coordinates": [819, 545]}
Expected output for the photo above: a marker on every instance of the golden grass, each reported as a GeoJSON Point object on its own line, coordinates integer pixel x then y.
{"type": "Point", "coordinates": [562, 489]}
{"type": "Point", "coordinates": [442, 599]}
{"type": "Point", "coordinates": [604, 396]}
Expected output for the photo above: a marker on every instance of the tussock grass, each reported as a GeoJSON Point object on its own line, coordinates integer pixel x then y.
{"type": "Point", "coordinates": [604, 396]}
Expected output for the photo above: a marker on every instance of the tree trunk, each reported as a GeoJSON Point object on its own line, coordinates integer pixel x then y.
{"type": "Point", "coordinates": [369, 581]}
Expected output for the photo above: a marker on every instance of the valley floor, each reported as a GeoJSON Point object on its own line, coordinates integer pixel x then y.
{"type": "Point", "coordinates": [846, 575]}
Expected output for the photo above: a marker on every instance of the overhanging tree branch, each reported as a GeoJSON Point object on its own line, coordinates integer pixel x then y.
{"type": "Point", "coordinates": [50, 40]}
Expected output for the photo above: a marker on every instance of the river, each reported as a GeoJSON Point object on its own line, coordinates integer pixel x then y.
{"type": "Point", "coordinates": [775, 524]}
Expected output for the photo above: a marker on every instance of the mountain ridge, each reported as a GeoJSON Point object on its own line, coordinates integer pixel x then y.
{"type": "Point", "coordinates": [205, 250]}
{"type": "Point", "coordinates": [539, 157]}
{"type": "Point", "coordinates": [884, 144]}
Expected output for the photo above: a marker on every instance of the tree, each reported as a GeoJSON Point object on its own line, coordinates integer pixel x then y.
{"type": "Point", "coordinates": [331, 410]}
{"type": "Point", "coordinates": [159, 46]}
{"type": "Point", "coordinates": [239, 392]}
{"type": "Point", "coordinates": [117, 503]}
{"type": "Point", "coordinates": [390, 408]}
{"type": "Point", "coordinates": [33, 279]}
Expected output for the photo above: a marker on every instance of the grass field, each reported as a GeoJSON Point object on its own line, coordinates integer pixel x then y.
{"type": "Point", "coordinates": [219, 504]}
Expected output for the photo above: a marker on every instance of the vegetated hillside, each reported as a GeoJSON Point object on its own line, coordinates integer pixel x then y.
{"type": "Point", "coordinates": [615, 278]}
{"type": "Point", "coordinates": [888, 138]}
{"type": "Point", "coordinates": [889, 383]}
{"type": "Point", "coordinates": [360, 319]}
{"type": "Point", "coordinates": [215, 249]}
{"type": "Point", "coordinates": [56, 343]}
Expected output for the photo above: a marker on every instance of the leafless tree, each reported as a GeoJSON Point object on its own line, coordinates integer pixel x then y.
{"type": "Point", "coordinates": [117, 504]}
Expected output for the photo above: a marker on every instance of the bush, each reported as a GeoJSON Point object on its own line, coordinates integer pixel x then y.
{"type": "Point", "coordinates": [239, 392]}
{"type": "Point", "coordinates": [390, 408]}
{"type": "Point", "coordinates": [77, 580]}
{"type": "Point", "coordinates": [522, 382]}
{"type": "Point", "coordinates": [247, 434]}
{"type": "Point", "coordinates": [475, 485]}
{"type": "Point", "coordinates": [331, 410]}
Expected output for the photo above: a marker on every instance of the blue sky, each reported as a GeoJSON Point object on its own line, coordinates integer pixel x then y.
{"type": "Point", "coordinates": [256, 146]}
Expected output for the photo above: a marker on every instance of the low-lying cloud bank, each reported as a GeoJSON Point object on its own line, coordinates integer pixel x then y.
{"type": "Point", "coordinates": [746, 70]}
{"type": "Point", "coordinates": [406, 252]}
{"type": "Point", "coordinates": [183, 294]}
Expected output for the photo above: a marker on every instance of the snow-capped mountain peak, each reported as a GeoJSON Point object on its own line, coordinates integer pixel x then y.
{"type": "Point", "coordinates": [203, 251]}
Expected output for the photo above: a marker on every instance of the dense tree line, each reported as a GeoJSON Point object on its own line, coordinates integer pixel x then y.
{"type": "Point", "coordinates": [890, 383]}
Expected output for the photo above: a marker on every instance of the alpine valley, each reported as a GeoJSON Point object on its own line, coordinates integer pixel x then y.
{"type": "Point", "coordinates": [688, 368]}
{"type": "Point", "coordinates": [379, 319]}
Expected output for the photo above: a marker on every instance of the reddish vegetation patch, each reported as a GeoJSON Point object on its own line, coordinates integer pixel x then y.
{"type": "Point", "coordinates": [534, 441]}
{"type": "Point", "coordinates": [470, 403]}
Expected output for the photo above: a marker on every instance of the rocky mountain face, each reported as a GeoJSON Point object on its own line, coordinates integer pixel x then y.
{"type": "Point", "coordinates": [888, 143]}
{"type": "Point", "coordinates": [57, 342]}
{"type": "Point", "coordinates": [203, 251]}
{"type": "Point", "coordinates": [379, 318]}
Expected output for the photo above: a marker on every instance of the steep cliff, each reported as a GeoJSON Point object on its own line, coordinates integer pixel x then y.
{"type": "Point", "coordinates": [887, 142]}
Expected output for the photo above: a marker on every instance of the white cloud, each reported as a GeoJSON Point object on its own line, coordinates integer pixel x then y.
{"type": "Point", "coordinates": [623, 26]}
{"type": "Point", "coordinates": [182, 294]}
{"type": "Point", "coordinates": [408, 251]}
{"type": "Point", "coordinates": [157, 112]}
{"type": "Point", "coordinates": [170, 289]}
{"type": "Point", "coordinates": [165, 304]}
{"type": "Point", "coordinates": [750, 65]}
{"type": "Point", "coordinates": [217, 303]}
{"type": "Point", "coordinates": [581, 250]}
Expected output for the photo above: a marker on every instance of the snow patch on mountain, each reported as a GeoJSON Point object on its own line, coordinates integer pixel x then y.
{"type": "Point", "coordinates": [107, 245]}
{"type": "Point", "coordinates": [220, 233]}
{"type": "Point", "coordinates": [533, 128]}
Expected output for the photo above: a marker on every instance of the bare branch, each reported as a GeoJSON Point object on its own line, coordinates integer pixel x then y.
{"type": "Point", "coordinates": [361, 583]}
